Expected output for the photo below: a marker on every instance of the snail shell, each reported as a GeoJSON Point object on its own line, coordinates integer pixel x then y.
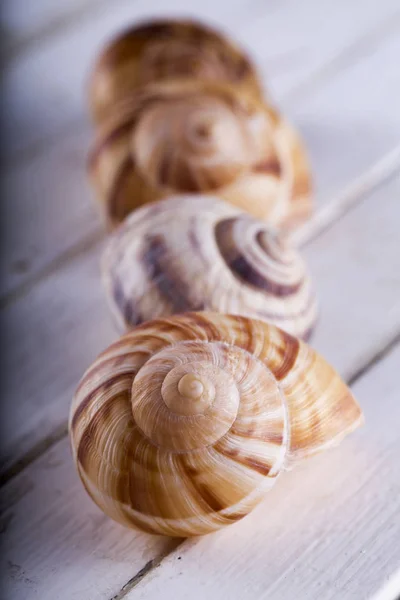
{"type": "Point", "coordinates": [184, 254]}
{"type": "Point", "coordinates": [182, 425]}
{"type": "Point", "coordinates": [161, 50]}
{"type": "Point", "coordinates": [200, 137]}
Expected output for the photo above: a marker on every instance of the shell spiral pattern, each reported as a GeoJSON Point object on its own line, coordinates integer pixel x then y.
{"type": "Point", "coordinates": [195, 137]}
{"type": "Point", "coordinates": [182, 254]}
{"type": "Point", "coordinates": [161, 50]}
{"type": "Point", "coordinates": [182, 425]}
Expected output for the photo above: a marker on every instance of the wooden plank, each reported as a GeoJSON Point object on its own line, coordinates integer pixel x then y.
{"type": "Point", "coordinates": [282, 35]}
{"type": "Point", "coordinates": [356, 267]}
{"type": "Point", "coordinates": [51, 188]}
{"type": "Point", "coordinates": [370, 285]}
{"type": "Point", "coordinates": [59, 545]}
{"type": "Point", "coordinates": [329, 529]}
{"type": "Point", "coordinates": [47, 210]}
{"type": "Point", "coordinates": [347, 122]}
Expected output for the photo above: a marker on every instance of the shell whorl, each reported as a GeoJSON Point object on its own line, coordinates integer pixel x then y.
{"type": "Point", "coordinates": [200, 253]}
{"type": "Point", "coordinates": [165, 50]}
{"type": "Point", "coordinates": [187, 396]}
{"type": "Point", "coordinates": [182, 425]}
{"type": "Point", "coordinates": [194, 136]}
{"type": "Point", "coordinates": [197, 143]}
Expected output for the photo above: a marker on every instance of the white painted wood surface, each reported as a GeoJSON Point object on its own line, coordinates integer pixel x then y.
{"type": "Point", "coordinates": [334, 71]}
{"type": "Point", "coordinates": [346, 256]}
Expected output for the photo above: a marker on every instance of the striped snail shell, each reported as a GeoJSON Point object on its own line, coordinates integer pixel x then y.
{"type": "Point", "coordinates": [164, 50]}
{"type": "Point", "coordinates": [184, 254]}
{"type": "Point", "coordinates": [200, 137]}
{"type": "Point", "coordinates": [182, 426]}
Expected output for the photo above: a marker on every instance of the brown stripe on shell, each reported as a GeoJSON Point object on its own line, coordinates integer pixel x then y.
{"type": "Point", "coordinates": [162, 274]}
{"type": "Point", "coordinates": [80, 409]}
{"type": "Point", "coordinates": [287, 351]}
{"type": "Point", "coordinates": [98, 419]}
{"type": "Point", "coordinates": [125, 119]}
{"type": "Point", "coordinates": [204, 492]}
{"type": "Point", "coordinates": [252, 434]}
{"type": "Point", "coordinates": [184, 179]}
{"type": "Point", "coordinates": [116, 198]}
{"type": "Point", "coordinates": [242, 269]}
{"type": "Point", "coordinates": [211, 331]}
{"type": "Point", "coordinates": [103, 142]}
{"type": "Point", "coordinates": [104, 362]}
{"type": "Point", "coordinates": [247, 338]}
{"type": "Point", "coordinates": [234, 517]}
{"type": "Point", "coordinates": [248, 461]}
{"type": "Point", "coordinates": [270, 166]}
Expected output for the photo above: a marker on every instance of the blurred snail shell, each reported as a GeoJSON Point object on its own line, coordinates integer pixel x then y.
{"type": "Point", "coordinates": [182, 426]}
{"type": "Point", "coordinates": [200, 137]}
{"type": "Point", "coordinates": [160, 50]}
{"type": "Point", "coordinates": [184, 254]}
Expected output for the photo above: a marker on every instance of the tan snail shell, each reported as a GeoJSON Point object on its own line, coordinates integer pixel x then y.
{"type": "Point", "coordinates": [166, 49]}
{"type": "Point", "coordinates": [181, 426]}
{"type": "Point", "coordinates": [184, 254]}
{"type": "Point", "coordinates": [200, 137]}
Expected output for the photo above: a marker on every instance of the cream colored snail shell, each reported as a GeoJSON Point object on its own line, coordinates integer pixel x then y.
{"type": "Point", "coordinates": [164, 50]}
{"type": "Point", "coordinates": [182, 426]}
{"type": "Point", "coordinates": [184, 254]}
{"type": "Point", "coordinates": [200, 137]}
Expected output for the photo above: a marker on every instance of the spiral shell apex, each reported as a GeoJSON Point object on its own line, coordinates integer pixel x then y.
{"type": "Point", "coordinates": [185, 254]}
{"type": "Point", "coordinates": [182, 426]}
{"type": "Point", "coordinates": [160, 50]}
{"type": "Point", "coordinates": [195, 137]}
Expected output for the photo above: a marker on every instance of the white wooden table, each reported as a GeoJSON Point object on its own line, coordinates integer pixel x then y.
{"type": "Point", "coordinates": [331, 528]}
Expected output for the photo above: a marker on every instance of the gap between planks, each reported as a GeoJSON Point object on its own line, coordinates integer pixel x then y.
{"type": "Point", "coordinates": [353, 378]}
{"type": "Point", "coordinates": [378, 175]}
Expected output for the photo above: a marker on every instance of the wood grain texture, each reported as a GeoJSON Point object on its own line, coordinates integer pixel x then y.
{"type": "Point", "coordinates": [334, 120]}
{"type": "Point", "coordinates": [329, 529]}
{"type": "Point", "coordinates": [356, 265]}
{"type": "Point", "coordinates": [363, 275]}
